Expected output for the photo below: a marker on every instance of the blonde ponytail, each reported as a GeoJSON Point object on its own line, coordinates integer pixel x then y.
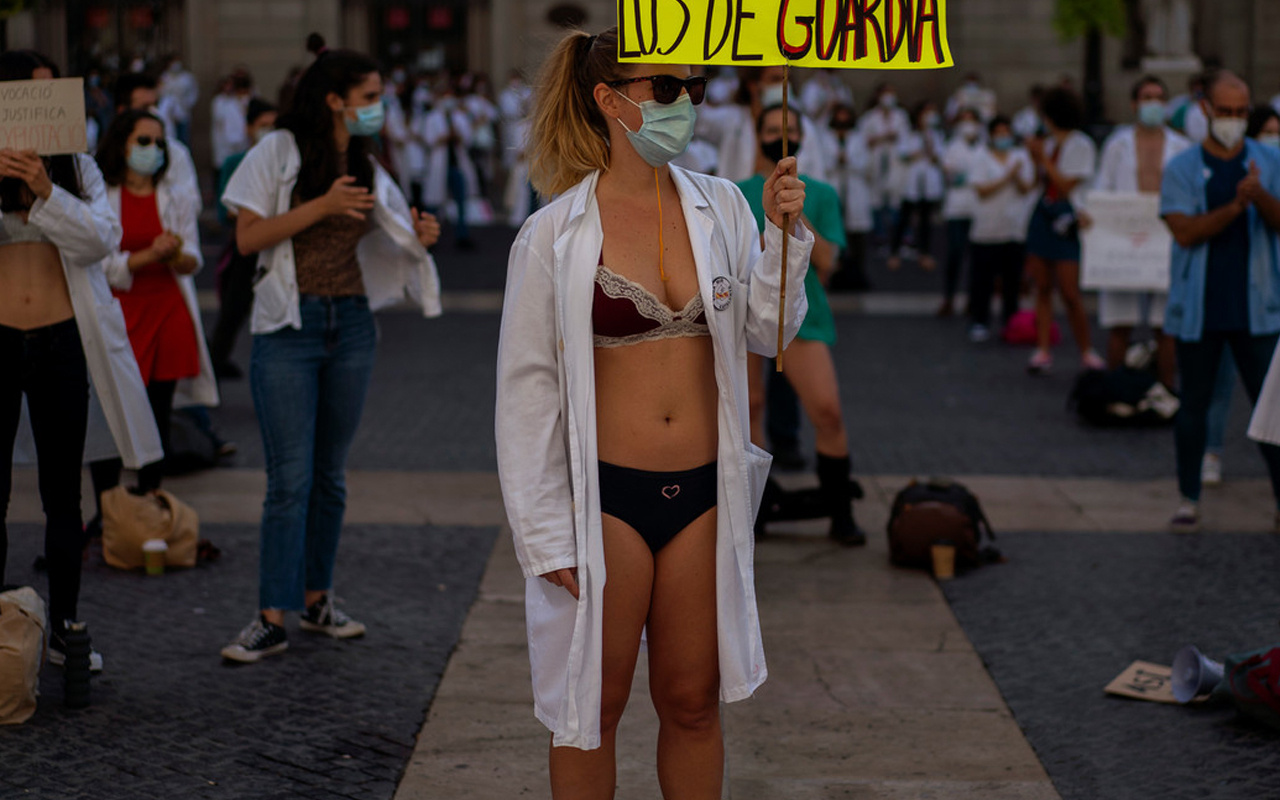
{"type": "Point", "coordinates": [569, 137]}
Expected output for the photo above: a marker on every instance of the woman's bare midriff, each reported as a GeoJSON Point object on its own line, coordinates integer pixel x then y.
{"type": "Point", "coordinates": [656, 404]}
{"type": "Point", "coordinates": [33, 287]}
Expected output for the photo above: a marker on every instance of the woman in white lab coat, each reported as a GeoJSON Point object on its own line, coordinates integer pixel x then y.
{"type": "Point", "coordinates": [622, 415]}
{"type": "Point", "coordinates": [62, 344]}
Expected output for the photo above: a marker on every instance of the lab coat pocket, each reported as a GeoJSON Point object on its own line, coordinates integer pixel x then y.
{"type": "Point", "coordinates": [111, 324]}
{"type": "Point", "coordinates": [758, 463]}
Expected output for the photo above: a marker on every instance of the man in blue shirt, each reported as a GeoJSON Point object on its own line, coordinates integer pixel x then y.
{"type": "Point", "coordinates": [1220, 203]}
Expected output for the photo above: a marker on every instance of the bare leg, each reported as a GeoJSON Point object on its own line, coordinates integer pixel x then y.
{"type": "Point", "coordinates": [1069, 289]}
{"type": "Point", "coordinates": [1042, 278]}
{"type": "Point", "coordinates": [592, 774]}
{"type": "Point", "coordinates": [1117, 346]}
{"type": "Point", "coordinates": [684, 664]}
{"type": "Point", "coordinates": [812, 374]}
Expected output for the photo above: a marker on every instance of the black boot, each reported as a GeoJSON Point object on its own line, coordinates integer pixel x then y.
{"type": "Point", "coordinates": [833, 483]}
{"type": "Point", "coordinates": [768, 510]}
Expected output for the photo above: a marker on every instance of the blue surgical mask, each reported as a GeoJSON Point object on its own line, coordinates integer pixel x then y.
{"type": "Point", "coordinates": [665, 130]}
{"type": "Point", "coordinates": [1151, 114]}
{"type": "Point", "coordinates": [145, 160]}
{"type": "Point", "coordinates": [368, 121]}
{"type": "Point", "coordinates": [1003, 143]}
{"type": "Point", "coordinates": [1269, 140]}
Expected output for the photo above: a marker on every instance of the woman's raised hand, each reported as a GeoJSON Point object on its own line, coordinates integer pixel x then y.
{"type": "Point", "coordinates": [568, 578]}
{"type": "Point", "coordinates": [426, 227]}
{"type": "Point", "coordinates": [344, 197]}
{"type": "Point", "coordinates": [784, 192]}
{"type": "Point", "coordinates": [26, 166]}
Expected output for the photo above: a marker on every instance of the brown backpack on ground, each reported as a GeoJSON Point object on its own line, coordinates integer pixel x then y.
{"type": "Point", "coordinates": [22, 642]}
{"type": "Point", "coordinates": [129, 520]}
{"type": "Point", "coordinates": [939, 511]}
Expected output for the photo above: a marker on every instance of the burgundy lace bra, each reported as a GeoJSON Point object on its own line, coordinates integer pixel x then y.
{"type": "Point", "coordinates": [624, 313]}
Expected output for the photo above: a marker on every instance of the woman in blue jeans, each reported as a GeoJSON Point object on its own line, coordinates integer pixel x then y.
{"type": "Point", "coordinates": [336, 240]}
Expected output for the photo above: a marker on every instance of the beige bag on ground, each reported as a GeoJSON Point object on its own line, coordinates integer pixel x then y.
{"type": "Point", "coordinates": [129, 520]}
{"type": "Point", "coordinates": [22, 642]}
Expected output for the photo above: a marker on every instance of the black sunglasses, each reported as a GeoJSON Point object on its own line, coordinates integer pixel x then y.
{"type": "Point", "coordinates": [666, 88]}
{"type": "Point", "coordinates": [146, 141]}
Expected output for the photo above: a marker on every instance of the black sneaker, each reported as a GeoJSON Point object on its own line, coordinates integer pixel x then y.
{"type": "Point", "coordinates": [257, 641]}
{"type": "Point", "coordinates": [323, 616]}
{"type": "Point", "coordinates": [58, 653]}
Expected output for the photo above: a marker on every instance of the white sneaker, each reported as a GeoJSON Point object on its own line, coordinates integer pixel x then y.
{"type": "Point", "coordinates": [1211, 470]}
{"type": "Point", "coordinates": [1186, 519]}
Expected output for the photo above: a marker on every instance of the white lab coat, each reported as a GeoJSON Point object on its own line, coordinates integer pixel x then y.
{"type": "Point", "coordinates": [85, 232]}
{"type": "Point", "coordinates": [923, 179]}
{"type": "Point", "coordinates": [180, 177]}
{"type": "Point", "coordinates": [393, 263]}
{"type": "Point", "coordinates": [888, 171]}
{"type": "Point", "coordinates": [228, 127]}
{"type": "Point", "coordinates": [853, 180]}
{"type": "Point", "coordinates": [958, 161]}
{"type": "Point", "coordinates": [177, 216]}
{"type": "Point", "coordinates": [434, 132]}
{"type": "Point", "coordinates": [1265, 426]}
{"type": "Point", "coordinates": [546, 431]}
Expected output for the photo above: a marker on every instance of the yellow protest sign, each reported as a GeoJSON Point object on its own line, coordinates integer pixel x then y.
{"type": "Point", "coordinates": [855, 34]}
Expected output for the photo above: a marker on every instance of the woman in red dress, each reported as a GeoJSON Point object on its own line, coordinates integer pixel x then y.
{"type": "Point", "coordinates": [144, 273]}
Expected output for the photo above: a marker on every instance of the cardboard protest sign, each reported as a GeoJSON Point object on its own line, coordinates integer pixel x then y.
{"type": "Point", "coordinates": [855, 34]}
{"type": "Point", "coordinates": [1142, 680]}
{"type": "Point", "coordinates": [1128, 246]}
{"type": "Point", "coordinates": [46, 116]}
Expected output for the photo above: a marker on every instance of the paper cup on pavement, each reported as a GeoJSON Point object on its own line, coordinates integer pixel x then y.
{"type": "Point", "coordinates": [944, 561]}
{"type": "Point", "coordinates": [153, 555]}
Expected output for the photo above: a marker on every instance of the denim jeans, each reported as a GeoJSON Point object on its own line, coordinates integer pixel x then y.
{"type": "Point", "coordinates": [309, 388]}
{"type": "Point", "coordinates": [48, 366]}
{"type": "Point", "coordinates": [1198, 364]}
{"type": "Point", "coordinates": [1220, 407]}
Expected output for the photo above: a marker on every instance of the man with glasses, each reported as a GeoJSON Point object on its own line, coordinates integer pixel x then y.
{"type": "Point", "coordinates": [1220, 203]}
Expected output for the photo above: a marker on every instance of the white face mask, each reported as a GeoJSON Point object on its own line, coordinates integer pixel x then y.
{"type": "Point", "coordinates": [968, 129]}
{"type": "Point", "coordinates": [889, 100]}
{"type": "Point", "coordinates": [1269, 139]}
{"type": "Point", "coordinates": [1229, 131]}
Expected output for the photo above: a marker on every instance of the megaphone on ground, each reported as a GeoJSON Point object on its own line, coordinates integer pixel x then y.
{"type": "Point", "coordinates": [1194, 674]}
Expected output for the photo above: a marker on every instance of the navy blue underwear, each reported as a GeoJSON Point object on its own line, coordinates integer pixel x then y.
{"type": "Point", "coordinates": [657, 504]}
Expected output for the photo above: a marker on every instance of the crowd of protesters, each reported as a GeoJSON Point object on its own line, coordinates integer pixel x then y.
{"type": "Point", "coordinates": [1008, 192]}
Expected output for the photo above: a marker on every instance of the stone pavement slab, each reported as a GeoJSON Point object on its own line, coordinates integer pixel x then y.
{"type": "Point", "coordinates": [868, 670]}
{"type": "Point", "coordinates": [1071, 610]}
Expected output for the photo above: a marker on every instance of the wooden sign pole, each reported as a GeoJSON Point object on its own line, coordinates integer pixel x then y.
{"type": "Point", "coordinates": [786, 218]}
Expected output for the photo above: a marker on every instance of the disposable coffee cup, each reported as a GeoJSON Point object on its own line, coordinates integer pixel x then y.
{"type": "Point", "coordinates": [153, 554]}
{"type": "Point", "coordinates": [944, 561]}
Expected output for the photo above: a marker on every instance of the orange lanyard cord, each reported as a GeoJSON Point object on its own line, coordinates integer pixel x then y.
{"type": "Point", "coordinates": [657, 184]}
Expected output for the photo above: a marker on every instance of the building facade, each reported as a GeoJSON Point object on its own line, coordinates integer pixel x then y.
{"type": "Point", "coordinates": [1011, 43]}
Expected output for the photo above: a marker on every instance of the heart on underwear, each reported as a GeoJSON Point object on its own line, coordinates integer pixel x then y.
{"type": "Point", "coordinates": [670, 492]}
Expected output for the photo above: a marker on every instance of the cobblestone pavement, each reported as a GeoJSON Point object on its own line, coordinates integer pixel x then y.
{"type": "Point", "coordinates": [325, 720]}
{"type": "Point", "coordinates": [1070, 611]}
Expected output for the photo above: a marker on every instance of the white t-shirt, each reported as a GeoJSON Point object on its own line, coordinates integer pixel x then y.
{"type": "Point", "coordinates": [1079, 159]}
{"type": "Point", "coordinates": [1001, 217]}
